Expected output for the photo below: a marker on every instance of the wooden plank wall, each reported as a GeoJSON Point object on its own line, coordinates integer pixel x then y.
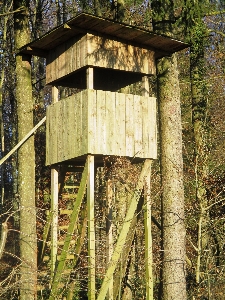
{"type": "Point", "coordinates": [101, 122]}
{"type": "Point", "coordinates": [98, 51]}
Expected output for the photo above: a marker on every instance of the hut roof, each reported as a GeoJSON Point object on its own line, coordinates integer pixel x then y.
{"type": "Point", "coordinates": [84, 23]}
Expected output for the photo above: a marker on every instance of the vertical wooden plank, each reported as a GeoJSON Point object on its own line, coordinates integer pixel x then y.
{"type": "Point", "coordinates": [90, 78]}
{"type": "Point", "coordinates": [109, 232]}
{"type": "Point", "coordinates": [137, 126]}
{"type": "Point", "coordinates": [78, 53]}
{"type": "Point", "coordinates": [91, 229]}
{"type": "Point", "coordinates": [129, 125]}
{"type": "Point", "coordinates": [48, 137]}
{"type": "Point", "coordinates": [79, 123]}
{"type": "Point", "coordinates": [84, 122]}
{"type": "Point", "coordinates": [101, 124]}
{"type": "Point", "coordinates": [89, 50]}
{"type": "Point", "coordinates": [146, 151]}
{"type": "Point", "coordinates": [74, 56]}
{"type": "Point", "coordinates": [64, 128]}
{"type": "Point", "coordinates": [70, 125]}
{"type": "Point", "coordinates": [120, 125]}
{"type": "Point", "coordinates": [131, 55]}
{"type": "Point", "coordinates": [153, 127]}
{"type": "Point", "coordinates": [83, 51]}
{"type": "Point", "coordinates": [154, 121]}
{"type": "Point", "coordinates": [49, 63]}
{"type": "Point", "coordinates": [151, 63]}
{"type": "Point", "coordinates": [60, 130]}
{"type": "Point", "coordinates": [55, 66]}
{"type": "Point", "coordinates": [61, 60]}
{"type": "Point", "coordinates": [146, 128]}
{"type": "Point", "coordinates": [69, 57]}
{"type": "Point", "coordinates": [92, 120]}
{"type": "Point", "coordinates": [148, 239]}
{"type": "Point", "coordinates": [73, 123]}
{"type": "Point", "coordinates": [53, 134]}
{"type": "Point", "coordinates": [54, 210]}
{"type": "Point", "coordinates": [110, 103]}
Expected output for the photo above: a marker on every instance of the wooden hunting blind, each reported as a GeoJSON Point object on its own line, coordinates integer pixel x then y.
{"type": "Point", "coordinates": [99, 57]}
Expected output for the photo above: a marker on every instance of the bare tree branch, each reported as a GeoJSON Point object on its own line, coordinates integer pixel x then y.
{"type": "Point", "coordinates": [22, 8]}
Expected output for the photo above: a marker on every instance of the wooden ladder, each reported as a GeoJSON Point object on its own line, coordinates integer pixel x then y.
{"type": "Point", "coordinates": [63, 234]}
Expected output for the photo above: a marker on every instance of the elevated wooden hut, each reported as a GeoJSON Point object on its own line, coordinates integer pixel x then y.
{"type": "Point", "coordinates": [99, 57]}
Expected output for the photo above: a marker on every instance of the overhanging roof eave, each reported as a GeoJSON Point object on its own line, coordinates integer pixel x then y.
{"type": "Point", "coordinates": [86, 23]}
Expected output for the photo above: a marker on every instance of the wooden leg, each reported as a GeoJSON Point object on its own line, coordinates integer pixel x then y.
{"type": "Point", "coordinates": [109, 234]}
{"type": "Point", "coordinates": [90, 78]}
{"type": "Point", "coordinates": [54, 212]}
{"type": "Point", "coordinates": [148, 240]}
{"type": "Point", "coordinates": [91, 229]}
{"type": "Point", "coordinates": [55, 94]}
{"type": "Point", "coordinates": [145, 86]}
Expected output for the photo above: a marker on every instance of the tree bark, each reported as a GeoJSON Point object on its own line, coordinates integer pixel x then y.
{"type": "Point", "coordinates": [173, 285]}
{"type": "Point", "coordinates": [26, 159]}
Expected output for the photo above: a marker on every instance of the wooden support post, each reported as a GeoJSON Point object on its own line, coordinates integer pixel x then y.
{"type": "Point", "coordinates": [54, 211]}
{"type": "Point", "coordinates": [148, 232]}
{"type": "Point", "coordinates": [90, 78]}
{"type": "Point", "coordinates": [148, 240]}
{"type": "Point", "coordinates": [109, 233]}
{"type": "Point", "coordinates": [91, 229]}
{"type": "Point", "coordinates": [145, 86]}
{"type": "Point", "coordinates": [55, 94]}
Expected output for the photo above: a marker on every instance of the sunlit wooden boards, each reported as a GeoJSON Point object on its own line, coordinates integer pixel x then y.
{"type": "Point", "coordinates": [101, 122]}
{"type": "Point", "coordinates": [98, 51]}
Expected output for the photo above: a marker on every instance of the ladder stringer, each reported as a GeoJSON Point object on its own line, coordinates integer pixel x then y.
{"type": "Point", "coordinates": [80, 241]}
{"type": "Point", "coordinates": [133, 201]}
{"type": "Point", "coordinates": [46, 235]}
{"type": "Point", "coordinates": [71, 229]}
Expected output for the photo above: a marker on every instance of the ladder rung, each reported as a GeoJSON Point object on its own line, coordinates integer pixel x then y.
{"type": "Point", "coordinates": [69, 196]}
{"type": "Point", "coordinates": [66, 211]}
{"type": "Point", "coordinates": [71, 186]}
{"type": "Point", "coordinates": [72, 242]}
{"type": "Point", "coordinates": [61, 243]}
{"type": "Point", "coordinates": [69, 256]}
{"type": "Point", "coordinates": [63, 227]}
{"type": "Point", "coordinates": [47, 287]}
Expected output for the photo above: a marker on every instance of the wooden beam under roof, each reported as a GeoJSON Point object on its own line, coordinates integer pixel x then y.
{"type": "Point", "coordinates": [84, 22]}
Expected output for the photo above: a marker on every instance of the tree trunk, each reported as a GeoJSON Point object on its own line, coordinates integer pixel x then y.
{"type": "Point", "coordinates": [174, 283]}
{"type": "Point", "coordinates": [200, 119]}
{"type": "Point", "coordinates": [26, 159]}
{"type": "Point", "coordinates": [173, 226]}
